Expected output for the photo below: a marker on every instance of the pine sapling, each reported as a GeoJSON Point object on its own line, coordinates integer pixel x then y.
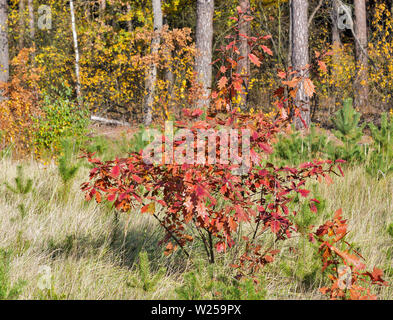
{"type": "Point", "coordinates": [7, 290]}
{"type": "Point", "coordinates": [67, 169]}
{"type": "Point", "coordinates": [22, 187]}
{"type": "Point", "coordinates": [346, 121]}
{"type": "Point", "coordinates": [147, 281]}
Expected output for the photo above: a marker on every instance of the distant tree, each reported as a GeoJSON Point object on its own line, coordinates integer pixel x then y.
{"type": "Point", "coordinates": [76, 49]}
{"type": "Point", "coordinates": [204, 44]}
{"type": "Point", "coordinates": [22, 7]}
{"type": "Point", "coordinates": [361, 80]}
{"type": "Point", "coordinates": [152, 73]}
{"type": "Point", "coordinates": [4, 52]}
{"type": "Point", "coordinates": [243, 66]}
{"type": "Point", "coordinates": [335, 30]}
{"type": "Point", "coordinates": [30, 5]}
{"type": "Point", "coordinates": [300, 55]}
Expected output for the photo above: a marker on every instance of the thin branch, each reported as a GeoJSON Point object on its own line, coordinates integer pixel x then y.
{"type": "Point", "coordinates": [172, 236]}
{"type": "Point", "coordinates": [314, 12]}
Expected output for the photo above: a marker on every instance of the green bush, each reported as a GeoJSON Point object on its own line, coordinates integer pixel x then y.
{"type": "Point", "coordinates": [8, 291]}
{"type": "Point", "coordinates": [212, 283]}
{"type": "Point", "coordinates": [22, 187]}
{"type": "Point", "coordinates": [295, 149]}
{"type": "Point", "coordinates": [145, 279]}
{"type": "Point", "coordinates": [62, 118]}
{"type": "Point", "coordinates": [380, 162]}
{"type": "Point", "coordinates": [346, 121]}
{"type": "Point", "coordinates": [67, 168]}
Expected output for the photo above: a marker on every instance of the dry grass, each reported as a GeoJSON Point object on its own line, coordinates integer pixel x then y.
{"type": "Point", "coordinates": [92, 256]}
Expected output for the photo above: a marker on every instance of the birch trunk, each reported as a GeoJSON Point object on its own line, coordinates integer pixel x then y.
{"type": "Point", "coordinates": [76, 49]}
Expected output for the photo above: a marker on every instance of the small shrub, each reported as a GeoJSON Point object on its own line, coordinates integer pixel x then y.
{"type": "Point", "coordinates": [8, 291]}
{"type": "Point", "coordinates": [380, 162]}
{"type": "Point", "coordinates": [62, 118]}
{"type": "Point", "coordinates": [346, 121]}
{"type": "Point", "coordinates": [146, 280]}
{"type": "Point", "coordinates": [22, 187]}
{"type": "Point", "coordinates": [67, 168]}
{"type": "Point", "coordinates": [295, 149]}
{"type": "Point", "coordinates": [211, 283]}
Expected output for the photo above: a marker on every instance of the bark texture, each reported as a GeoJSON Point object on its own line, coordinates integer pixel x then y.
{"type": "Point", "coordinates": [76, 49]}
{"type": "Point", "coordinates": [243, 66]}
{"type": "Point", "coordinates": [22, 7]}
{"type": "Point", "coordinates": [361, 81]}
{"type": "Point", "coordinates": [152, 75]}
{"type": "Point", "coordinates": [4, 53]}
{"type": "Point", "coordinates": [30, 5]}
{"type": "Point", "coordinates": [300, 56]}
{"type": "Point", "coordinates": [335, 31]}
{"type": "Point", "coordinates": [204, 44]}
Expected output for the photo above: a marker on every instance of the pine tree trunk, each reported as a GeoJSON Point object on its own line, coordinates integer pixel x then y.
{"type": "Point", "coordinates": [4, 54]}
{"type": "Point", "coordinates": [361, 81]}
{"type": "Point", "coordinates": [335, 31]}
{"type": "Point", "coordinates": [152, 75]}
{"type": "Point", "coordinates": [30, 5]}
{"type": "Point", "coordinates": [243, 66]}
{"type": "Point", "coordinates": [204, 45]}
{"type": "Point", "coordinates": [336, 45]}
{"type": "Point", "coordinates": [300, 56]}
{"type": "Point", "coordinates": [102, 9]}
{"type": "Point", "coordinates": [130, 27]}
{"type": "Point", "coordinates": [22, 7]}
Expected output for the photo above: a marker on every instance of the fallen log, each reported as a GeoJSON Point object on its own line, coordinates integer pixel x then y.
{"type": "Point", "coordinates": [109, 121]}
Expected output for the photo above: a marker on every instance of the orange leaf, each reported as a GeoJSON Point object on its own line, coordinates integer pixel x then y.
{"type": "Point", "coordinates": [254, 59]}
{"type": "Point", "coordinates": [309, 87]}
{"type": "Point", "coordinates": [222, 82]}
{"type": "Point", "coordinates": [267, 50]}
{"type": "Point", "coordinates": [98, 197]}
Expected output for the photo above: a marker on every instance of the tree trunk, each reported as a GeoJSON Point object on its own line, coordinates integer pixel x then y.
{"type": "Point", "coordinates": [130, 27]}
{"type": "Point", "coordinates": [102, 8]}
{"type": "Point", "coordinates": [76, 49]}
{"type": "Point", "coordinates": [4, 54]}
{"type": "Point", "coordinates": [300, 57]}
{"type": "Point", "coordinates": [361, 81]}
{"type": "Point", "coordinates": [243, 66]}
{"type": "Point", "coordinates": [335, 31]}
{"type": "Point", "coordinates": [336, 45]}
{"type": "Point", "coordinates": [152, 75]}
{"type": "Point", "coordinates": [22, 7]}
{"type": "Point", "coordinates": [204, 45]}
{"type": "Point", "coordinates": [30, 4]}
